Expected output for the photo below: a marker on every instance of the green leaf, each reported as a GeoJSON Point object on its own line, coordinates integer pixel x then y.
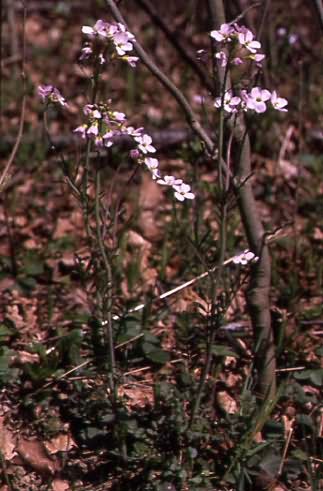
{"type": "Point", "coordinates": [33, 264]}
{"type": "Point", "coordinates": [158, 356]}
{"type": "Point", "coordinates": [5, 333]}
{"type": "Point", "coordinates": [222, 350]}
{"type": "Point", "coordinates": [4, 365]}
{"type": "Point", "coordinates": [313, 375]}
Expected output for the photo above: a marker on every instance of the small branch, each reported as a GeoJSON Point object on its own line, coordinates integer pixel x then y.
{"type": "Point", "coordinates": [167, 83]}
{"type": "Point", "coordinates": [5, 173]}
{"type": "Point", "coordinates": [147, 6]}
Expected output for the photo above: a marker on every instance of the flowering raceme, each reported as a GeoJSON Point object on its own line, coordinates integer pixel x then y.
{"type": "Point", "coordinates": [241, 46]}
{"type": "Point", "coordinates": [49, 93]}
{"type": "Point", "coordinates": [108, 37]}
{"type": "Point", "coordinates": [102, 124]}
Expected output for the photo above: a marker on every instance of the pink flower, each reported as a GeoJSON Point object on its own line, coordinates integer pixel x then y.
{"type": "Point", "coordinates": [145, 144]}
{"type": "Point", "coordinates": [122, 44]}
{"type": "Point", "coordinates": [223, 34]}
{"type": "Point", "coordinates": [134, 153]}
{"type": "Point", "coordinates": [49, 93]}
{"type": "Point", "coordinates": [183, 191]}
{"type": "Point", "coordinates": [152, 165]}
{"type": "Point", "coordinates": [170, 181]}
{"type": "Point", "coordinates": [222, 57]}
{"type": "Point", "coordinates": [257, 99]}
{"type": "Point", "coordinates": [86, 52]}
{"type": "Point", "coordinates": [246, 39]}
{"type": "Point", "coordinates": [237, 61]}
{"type": "Point", "coordinates": [245, 257]}
{"type": "Point", "coordinates": [81, 130]}
{"type": "Point", "coordinates": [131, 60]}
{"type": "Point", "coordinates": [120, 117]}
{"type": "Point", "coordinates": [230, 102]}
{"type": "Point", "coordinates": [98, 30]}
{"type": "Point", "coordinates": [278, 103]}
{"type": "Point", "coordinates": [93, 130]}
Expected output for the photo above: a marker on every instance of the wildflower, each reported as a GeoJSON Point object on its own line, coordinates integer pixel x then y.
{"type": "Point", "coordinates": [93, 130]}
{"type": "Point", "coordinates": [257, 57]}
{"type": "Point", "coordinates": [223, 34]}
{"type": "Point", "coordinates": [222, 57]}
{"type": "Point", "coordinates": [183, 191]}
{"type": "Point", "coordinates": [257, 99]}
{"type": "Point", "coordinates": [98, 30]}
{"type": "Point", "coordinates": [107, 138]}
{"type": "Point", "coordinates": [134, 153]}
{"type": "Point", "coordinates": [246, 39]}
{"type": "Point", "coordinates": [122, 42]}
{"type": "Point", "coordinates": [278, 103]}
{"type": "Point", "coordinates": [245, 257]}
{"type": "Point", "coordinates": [81, 130]}
{"type": "Point", "coordinates": [119, 117]}
{"type": "Point", "coordinates": [145, 144]}
{"type": "Point", "coordinates": [230, 102]}
{"type": "Point", "coordinates": [86, 52]}
{"type": "Point", "coordinates": [237, 61]}
{"type": "Point", "coordinates": [170, 181]}
{"type": "Point", "coordinates": [152, 165]}
{"type": "Point", "coordinates": [131, 60]}
{"type": "Point", "coordinates": [49, 93]}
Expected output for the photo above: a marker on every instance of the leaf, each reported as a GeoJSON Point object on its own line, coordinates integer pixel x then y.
{"type": "Point", "coordinates": [5, 333]}
{"type": "Point", "coordinates": [222, 350]}
{"type": "Point", "coordinates": [314, 375]}
{"type": "Point", "coordinates": [158, 356]}
{"type": "Point", "coordinates": [33, 264]}
{"type": "Point", "coordinates": [4, 365]}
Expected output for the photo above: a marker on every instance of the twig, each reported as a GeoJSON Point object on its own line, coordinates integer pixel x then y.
{"type": "Point", "coordinates": [170, 86]}
{"type": "Point", "coordinates": [288, 439]}
{"type": "Point", "coordinates": [147, 6]}
{"type": "Point", "coordinates": [5, 173]}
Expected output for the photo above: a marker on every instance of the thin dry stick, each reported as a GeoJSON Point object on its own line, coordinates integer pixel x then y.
{"type": "Point", "coordinates": [157, 19]}
{"type": "Point", "coordinates": [287, 443]}
{"type": "Point", "coordinates": [5, 173]}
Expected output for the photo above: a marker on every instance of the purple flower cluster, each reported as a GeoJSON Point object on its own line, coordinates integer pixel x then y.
{"type": "Point", "coordinates": [105, 37]}
{"type": "Point", "coordinates": [240, 41]}
{"type": "Point", "coordinates": [49, 93]}
{"type": "Point", "coordinates": [255, 100]}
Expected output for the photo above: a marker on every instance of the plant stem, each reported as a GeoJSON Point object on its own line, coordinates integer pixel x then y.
{"type": "Point", "coordinates": [259, 293]}
{"type": "Point", "coordinates": [107, 289]}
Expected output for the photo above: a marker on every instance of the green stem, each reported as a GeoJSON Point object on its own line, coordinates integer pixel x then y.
{"type": "Point", "coordinates": [107, 300]}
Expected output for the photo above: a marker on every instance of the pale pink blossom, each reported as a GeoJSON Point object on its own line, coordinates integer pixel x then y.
{"type": "Point", "coordinates": [245, 257]}
{"type": "Point", "coordinates": [278, 103]}
{"type": "Point", "coordinates": [98, 30]}
{"type": "Point", "coordinates": [170, 181]}
{"type": "Point", "coordinates": [93, 130]}
{"type": "Point", "coordinates": [145, 144]}
{"type": "Point", "coordinates": [81, 130]}
{"type": "Point", "coordinates": [237, 61]}
{"type": "Point", "coordinates": [222, 57]}
{"type": "Point", "coordinates": [257, 99]}
{"type": "Point", "coordinates": [152, 165]}
{"type": "Point", "coordinates": [246, 39]}
{"type": "Point", "coordinates": [223, 34]}
{"type": "Point", "coordinates": [131, 60]}
{"type": "Point", "coordinates": [183, 191]}
{"type": "Point", "coordinates": [230, 102]}
{"type": "Point", "coordinates": [49, 93]}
